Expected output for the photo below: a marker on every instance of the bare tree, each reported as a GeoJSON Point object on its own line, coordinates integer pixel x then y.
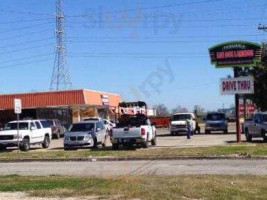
{"type": "Point", "coordinates": [179, 109]}
{"type": "Point", "coordinates": [161, 110]}
{"type": "Point", "coordinates": [199, 110]}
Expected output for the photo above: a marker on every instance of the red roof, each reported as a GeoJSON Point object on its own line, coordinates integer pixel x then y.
{"type": "Point", "coordinates": [59, 98]}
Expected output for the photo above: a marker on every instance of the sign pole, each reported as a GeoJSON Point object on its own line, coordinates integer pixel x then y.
{"type": "Point", "coordinates": [18, 131]}
{"type": "Point", "coordinates": [17, 109]}
{"type": "Point", "coordinates": [238, 133]}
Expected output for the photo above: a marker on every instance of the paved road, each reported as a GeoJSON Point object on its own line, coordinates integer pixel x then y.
{"type": "Point", "coordinates": [116, 168]}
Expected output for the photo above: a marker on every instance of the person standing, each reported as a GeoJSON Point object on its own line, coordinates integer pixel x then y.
{"type": "Point", "coordinates": [188, 125]}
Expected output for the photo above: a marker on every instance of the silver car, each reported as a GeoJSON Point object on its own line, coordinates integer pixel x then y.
{"type": "Point", "coordinates": [85, 134]}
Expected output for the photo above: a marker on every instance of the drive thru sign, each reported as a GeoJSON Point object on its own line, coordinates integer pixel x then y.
{"type": "Point", "coordinates": [240, 85]}
{"type": "Point", "coordinates": [17, 106]}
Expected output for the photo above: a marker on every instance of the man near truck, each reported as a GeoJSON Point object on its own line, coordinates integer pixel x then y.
{"type": "Point", "coordinates": [188, 125]}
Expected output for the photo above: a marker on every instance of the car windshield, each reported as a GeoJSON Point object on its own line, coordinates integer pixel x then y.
{"type": "Point", "coordinates": [13, 126]}
{"type": "Point", "coordinates": [135, 120]}
{"type": "Point", "coordinates": [215, 117]}
{"type": "Point", "coordinates": [50, 122]}
{"type": "Point", "coordinates": [181, 117]}
{"type": "Point", "coordinates": [82, 127]}
{"type": "Point", "coordinates": [264, 118]}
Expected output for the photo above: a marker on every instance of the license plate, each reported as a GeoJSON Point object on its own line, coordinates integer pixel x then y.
{"type": "Point", "coordinates": [126, 140]}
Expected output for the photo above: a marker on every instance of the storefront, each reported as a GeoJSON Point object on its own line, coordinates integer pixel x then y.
{"type": "Point", "coordinates": [68, 106]}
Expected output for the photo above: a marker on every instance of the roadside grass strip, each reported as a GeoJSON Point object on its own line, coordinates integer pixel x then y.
{"type": "Point", "coordinates": [141, 187]}
{"type": "Point", "coordinates": [156, 153]}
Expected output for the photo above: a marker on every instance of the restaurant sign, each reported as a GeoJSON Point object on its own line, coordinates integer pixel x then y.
{"type": "Point", "coordinates": [236, 54]}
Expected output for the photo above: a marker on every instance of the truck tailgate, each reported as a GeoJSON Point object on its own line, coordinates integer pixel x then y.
{"type": "Point", "coordinates": [133, 132]}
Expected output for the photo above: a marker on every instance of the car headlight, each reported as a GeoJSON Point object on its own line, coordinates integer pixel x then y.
{"type": "Point", "coordinates": [87, 137]}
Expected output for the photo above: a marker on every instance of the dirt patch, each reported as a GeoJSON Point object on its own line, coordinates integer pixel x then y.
{"type": "Point", "coordinates": [24, 196]}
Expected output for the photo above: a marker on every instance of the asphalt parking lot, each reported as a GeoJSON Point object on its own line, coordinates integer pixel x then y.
{"type": "Point", "coordinates": [177, 141]}
{"type": "Point", "coordinates": [166, 140]}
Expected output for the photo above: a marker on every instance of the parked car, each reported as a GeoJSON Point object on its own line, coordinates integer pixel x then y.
{"type": "Point", "coordinates": [31, 132]}
{"type": "Point", "coordinates": [178, 123]}
{"type": "Point", "coordinates": [257, 127]}
{"type": "Point", "coordinates": [93, 119]}
{"type": "Point", "coordinates": [216, 121]}
{"type": "Point", "coordinates": [57, 129]}
{"type": "Point", "coordinates": [86, 134]}
{"type": "Point", "coordinates": [134, 130]}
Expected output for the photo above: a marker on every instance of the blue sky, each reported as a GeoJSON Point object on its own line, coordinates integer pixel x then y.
{"type": "Point", "coordinates": [151, 50]}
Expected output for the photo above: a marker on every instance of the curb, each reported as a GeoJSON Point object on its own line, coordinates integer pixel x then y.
{"type": "Point", "coordinates": [99, 159]}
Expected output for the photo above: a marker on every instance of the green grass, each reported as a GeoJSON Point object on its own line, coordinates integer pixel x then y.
{"type": "Point", "coordinates": [143, 187]}
{"type": "Point", "coordinates": [239, 149]}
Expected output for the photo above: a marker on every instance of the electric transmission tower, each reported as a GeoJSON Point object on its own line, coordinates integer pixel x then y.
{"type": "Point", "coordinates": [61, 77]}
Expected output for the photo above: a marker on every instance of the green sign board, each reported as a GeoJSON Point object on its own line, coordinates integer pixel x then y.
{"type": "Point", "coordinates": [236, 54]}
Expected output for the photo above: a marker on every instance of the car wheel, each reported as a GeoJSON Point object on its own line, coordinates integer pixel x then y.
{"type": "Point", "coordinates": [2, 148]}
{"type": "Point", "coordinates": [225, 131]}
{"type": "Point", "coordinates": [104, 144]}
{"type": "Point", "coordinates": [25, 145]}
{"type": "Point", "coordinates": [115, 146]}
{"type": "Point", "coordinates": [263, 132]}
{"type": "Point", "coordinates": [172, 133]}
{"type": "Point", "coordinates": [207, 132]}
{"type": "Point", "coordinates": [145, 144]}
{"type": "Point", "coordinates": [95, 143]}
{"type": "Point", "coordinates": [46, 142]}
{"type": "Point", "coordinates": [67, 148]}
{"type": "Point", "coordinates": [57, 136]}
{"type": "Point", "coordinates": [248, 136]}
{"type": "Point", "coordinates": [154, 141]}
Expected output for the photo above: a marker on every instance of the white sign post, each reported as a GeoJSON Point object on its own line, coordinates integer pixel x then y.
{"type": "Point", "coordinates": [17, 109]}
{"type": "Point", "coordinates": [240, 85]}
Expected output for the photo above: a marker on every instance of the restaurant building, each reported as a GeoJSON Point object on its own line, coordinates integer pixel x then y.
{"type": "Point", "coordinates": [67, 105]}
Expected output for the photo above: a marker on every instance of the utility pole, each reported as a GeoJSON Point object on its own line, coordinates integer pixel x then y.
{"type": "Point", "coordinates": [264, 28]}
{"type": "Point", "coordinates": [61, 77]}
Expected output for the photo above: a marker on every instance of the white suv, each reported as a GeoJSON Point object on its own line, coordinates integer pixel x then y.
{"type": "Point", "coordinates": [31, 132]}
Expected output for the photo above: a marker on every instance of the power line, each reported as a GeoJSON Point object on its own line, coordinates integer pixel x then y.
{"type": "Point", "coordinates": [145, 26]}
{"type": "Point", "coordinates": [157, 37]}
{"type": "Point", "coordinates": [23, 64]}
{"type": "Point", "coordinates": [26, 58]}
{"type": "Point", "coordinates": [155, 7]}
{"type": "Point", "coordinates": [27, 42]}
{"type": "Point", "coordinates": [26, 34]}
{"type": "Point", "coordinates": [138, 53]}
{"type": "Point", "coordinates": [22, 21]}
{"type": "Point", "coordinates": [24, 13]}
{"type": "Point", "coordinates": [143, 21]}
{"type": "Point", "coordinates": [23, 28]}
{"type": "Point", "coordinates": [144, 42]}
{"type": "Point", "coordinates": [33, 47]}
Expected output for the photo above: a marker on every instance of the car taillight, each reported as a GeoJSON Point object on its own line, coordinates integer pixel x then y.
{"type": "Point", "coordinates": [143, 131]}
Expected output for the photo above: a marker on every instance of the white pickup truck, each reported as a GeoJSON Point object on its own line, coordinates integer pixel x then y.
{"type": "Point", "coordinates": [31, 132]}
{"type": "Point", "coordinates": [133, 130]}
{"type": "Point", "coordinates": [178, 123]}
{"type": "Point", "coordinates": [257, 127]}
